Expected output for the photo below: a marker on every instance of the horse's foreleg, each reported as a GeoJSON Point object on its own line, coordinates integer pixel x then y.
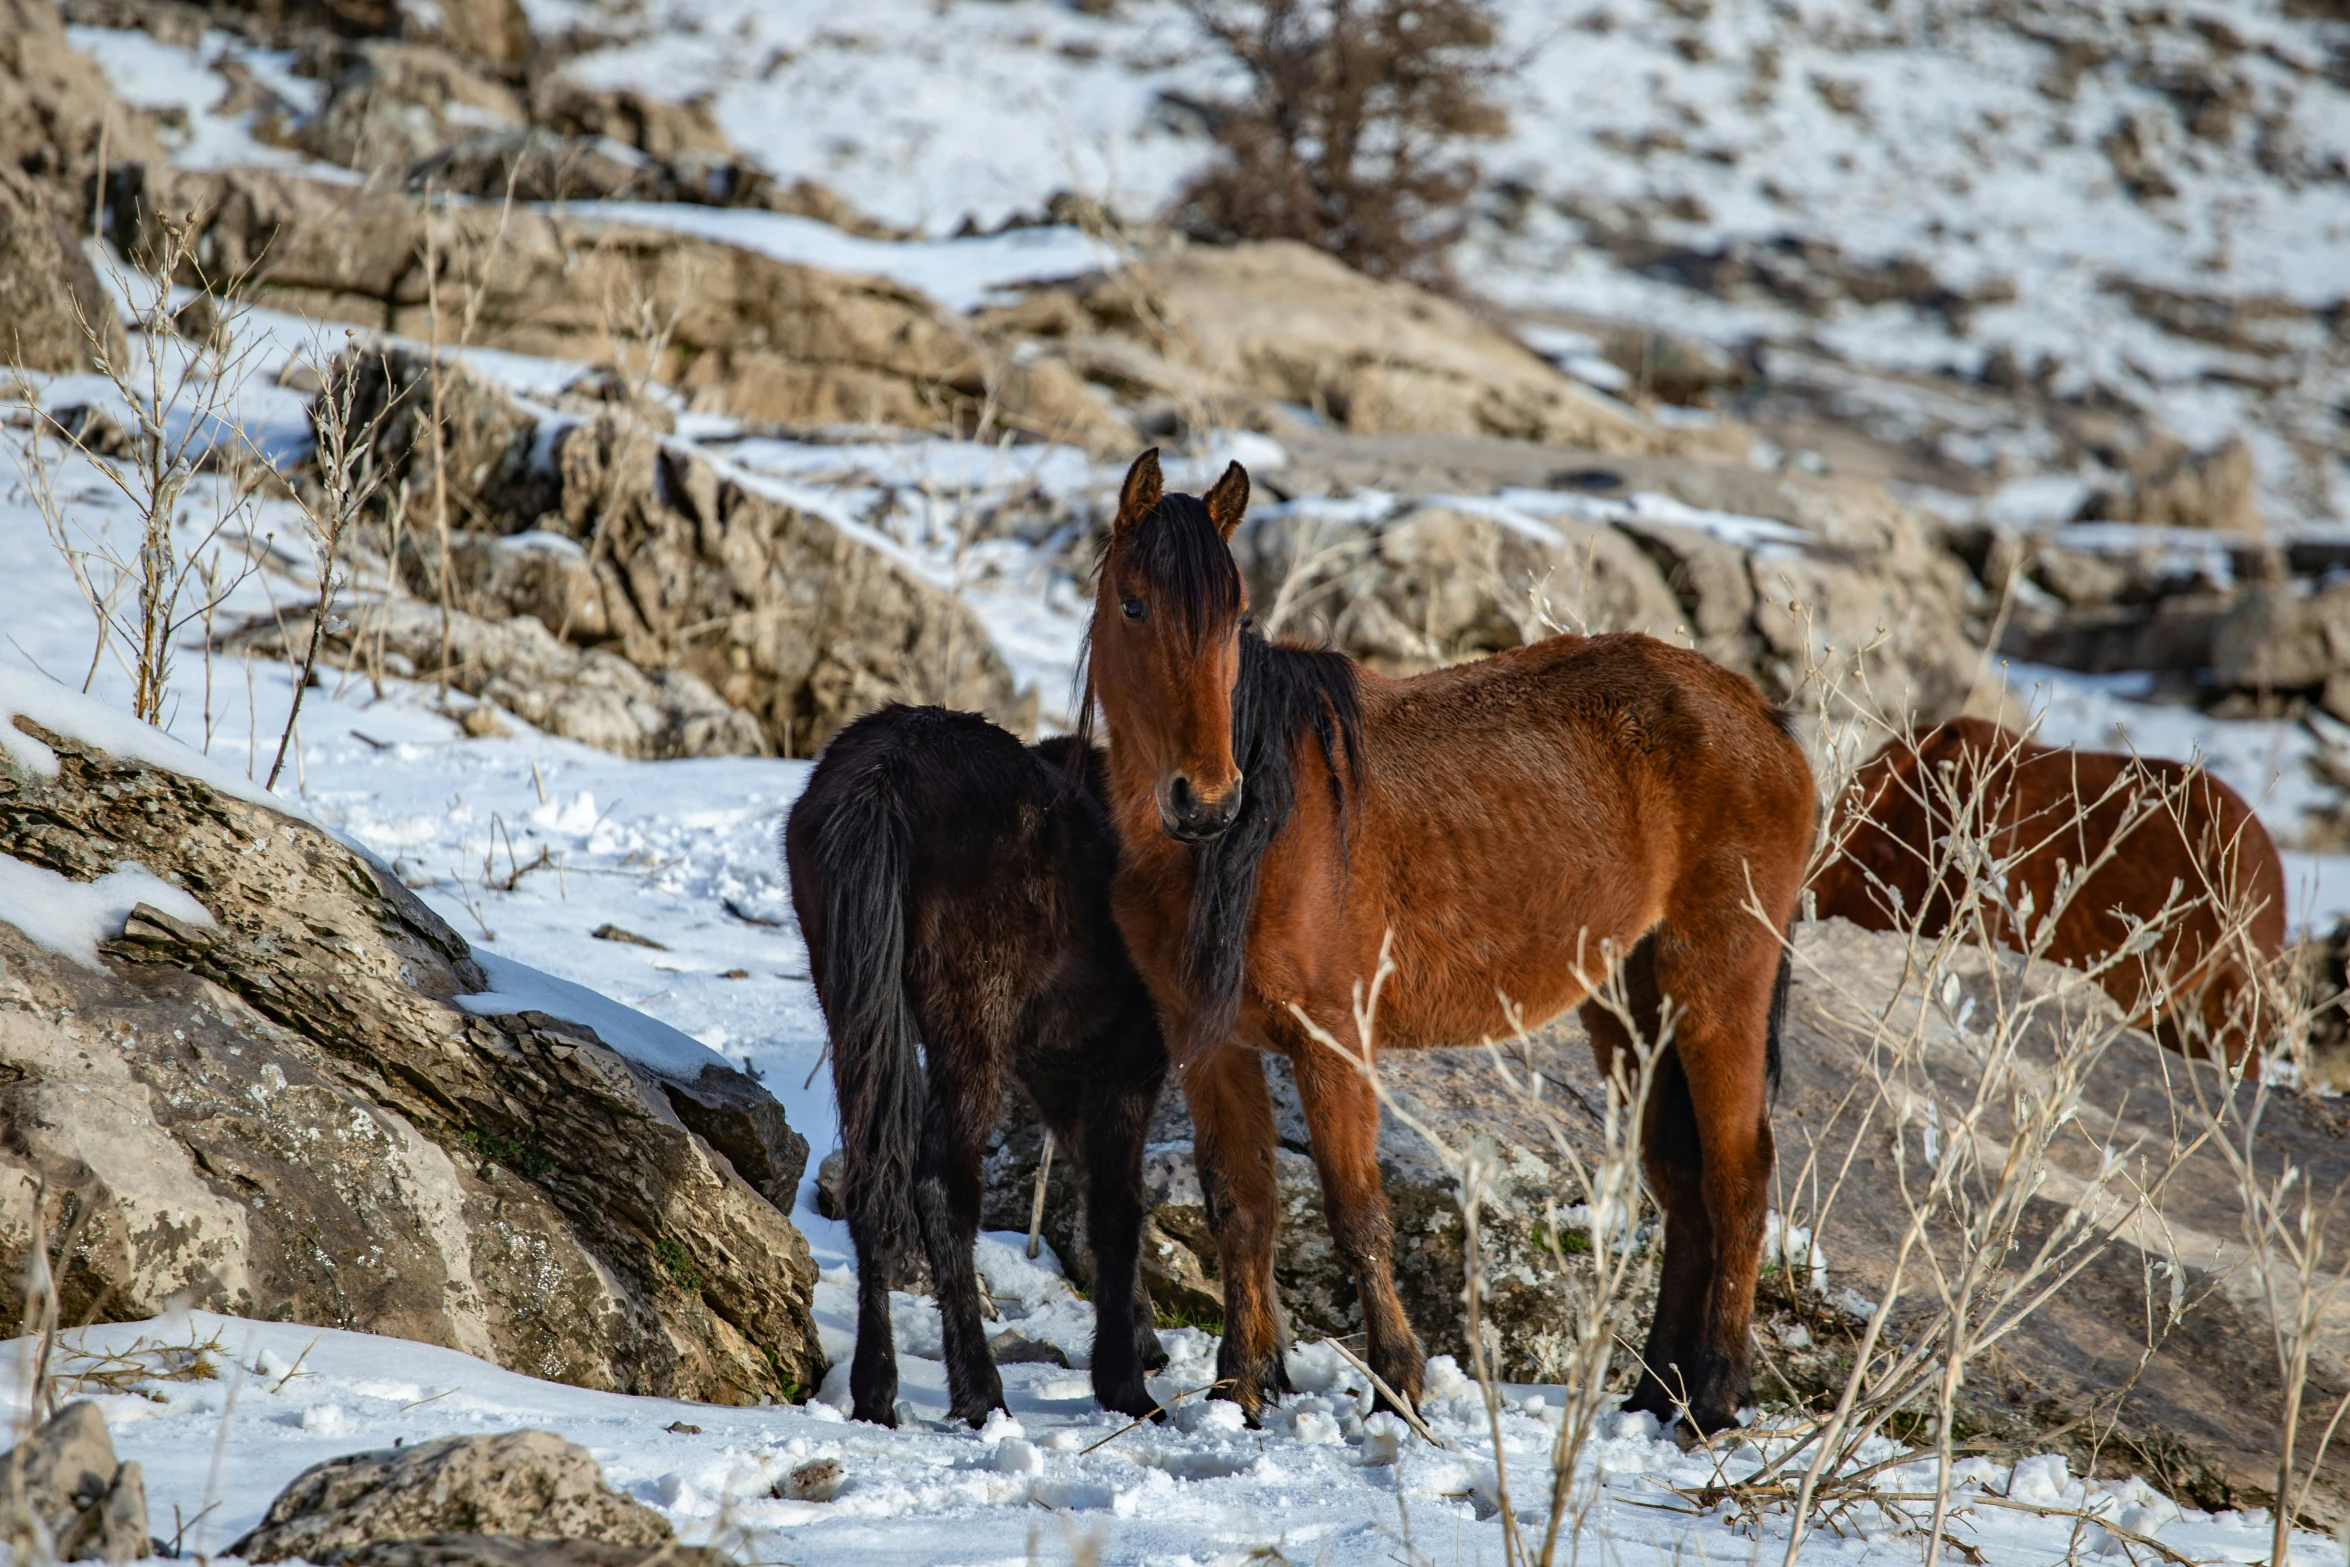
{"type": "Point", "coordinates": [1232, 1147]}
{"type": "Point", "coordinates": [1127, 1071]}
{"type": "Point", "coordinates": [1722, 1007]}
{"type": "Point", "coordinates": [1342, 1117]}
{"type": "Point", "coordinates": [966, 1091]}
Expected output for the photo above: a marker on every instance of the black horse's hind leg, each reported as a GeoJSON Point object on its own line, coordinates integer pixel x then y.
{"type": "Point", "coordinates": [873, 1372]}
{"type": "Point", "coordinates": [966, 1087]}
{"type": "Point", "coordinates": [1121, 1090]}
{"type": "Point", "coordinates": [1675, 1375]}
{"type": "Point", "coordinates": [1670, 1158]}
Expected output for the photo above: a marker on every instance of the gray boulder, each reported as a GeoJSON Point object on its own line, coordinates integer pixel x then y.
{"type": "Point", "coordinates": [1438, 584]}
{"type": "Point", "coordinates": [65, 1497]}
{"type": "Point", "coordinates": [527, 1485]}
{"type": "Point", "coordinates": [280, 1110]}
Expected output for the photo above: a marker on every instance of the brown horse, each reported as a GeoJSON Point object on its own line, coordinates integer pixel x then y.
{"type": "Point", "coordinates": [2146, 825]}
{"type": "Point", "coordinates": [1520, 825]}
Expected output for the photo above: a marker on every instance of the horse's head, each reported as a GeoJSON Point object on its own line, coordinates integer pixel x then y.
{"type": "Point", "coordinates": [1166, 644]}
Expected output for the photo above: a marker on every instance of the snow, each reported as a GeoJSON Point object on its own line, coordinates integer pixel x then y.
{"type": "Point", "coordinates": [70, 918]}
{"type": "Point", "coordinates": [73, 715]}
{"type": "Point", "coordinates": [1319, 1479]}
{"type": "Point", "coordinates": [961, 274]}
{"type": "Point", "coordinates": [515, 987]}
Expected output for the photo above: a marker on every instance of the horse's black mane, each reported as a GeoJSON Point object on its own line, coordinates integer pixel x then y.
{"type": "Point", "coordinates": [1283, 695]}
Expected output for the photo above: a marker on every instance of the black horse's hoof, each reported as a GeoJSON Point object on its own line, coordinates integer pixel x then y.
{"type": "Point", "coordinates": [885, 1415]}
{"type": "Point", "coordinates": [1152, 1353]}
{"type": "Point", "coordinates": [1134, 1402]}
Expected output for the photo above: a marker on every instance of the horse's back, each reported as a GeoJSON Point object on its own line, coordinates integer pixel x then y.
{"type": "Point", "coordinates": [1633, 731]}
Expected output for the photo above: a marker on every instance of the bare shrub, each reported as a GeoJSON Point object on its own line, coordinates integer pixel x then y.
{"type": "Point", "coordinates": [168, 440]}
{"type": "Point", "coordinates": [1349, 135]}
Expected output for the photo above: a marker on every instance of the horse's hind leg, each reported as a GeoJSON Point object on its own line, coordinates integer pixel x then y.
{"type": "Point", "coordinates": [873, 1370]}
{"type": "Point", "coordinates": [1342, 1117]}
{"type": "Point", "coordinates": [966, 1091]}
{"type": "Point", "coordinates": [1671, 1158]}
{"type": "Point", "coordinates": [1121, 1091]}
{"type": "Point", "coordinates": [1232, 1146]}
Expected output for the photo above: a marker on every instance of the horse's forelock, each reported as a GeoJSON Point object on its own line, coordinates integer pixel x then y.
{"type": "Point", "coordinates": [1186, 566]}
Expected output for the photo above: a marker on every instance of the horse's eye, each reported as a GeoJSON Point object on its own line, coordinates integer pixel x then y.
{"type": "Point", "coordinates": [1132, 607]}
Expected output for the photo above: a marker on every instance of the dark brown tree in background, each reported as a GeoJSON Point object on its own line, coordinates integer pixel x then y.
{"type": "Point", "coordinates": [1351, 134]}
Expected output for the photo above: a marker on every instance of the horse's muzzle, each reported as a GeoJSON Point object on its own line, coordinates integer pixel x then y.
{"type": "Point", "coordinates": [1186, 817]}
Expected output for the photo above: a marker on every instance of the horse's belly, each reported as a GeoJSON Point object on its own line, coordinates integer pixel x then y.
{"type": "Point", "coordinates": [1464, 999]}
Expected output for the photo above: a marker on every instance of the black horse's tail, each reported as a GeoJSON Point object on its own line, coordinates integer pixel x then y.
{"type": "Point", "coordinates": [863, 850]}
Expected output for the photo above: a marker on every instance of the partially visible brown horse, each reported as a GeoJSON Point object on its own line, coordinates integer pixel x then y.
{"type": "Point", "coordinates": [1520, 825]}
{"type": "Point", "coordinates": [2046, 809]}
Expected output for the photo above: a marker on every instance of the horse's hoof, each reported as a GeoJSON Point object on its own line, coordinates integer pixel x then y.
{"type": "Point", "coordinates": [1250, 1400]}
{"type": "Point", "coordinates": [1132, 1402]}
{"type": "Point", "coordinates": [1152, 1353]}
{"type": "Point", "coordinates": [973, 1416]}
{"type": "Point", "coordinates": [886, 1415]}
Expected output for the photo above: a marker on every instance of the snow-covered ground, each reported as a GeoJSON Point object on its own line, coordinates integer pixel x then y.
{"type": "Point", "coordinates": [684, 853]}
{"type": "Point", "coordinates": [1055, 1480]}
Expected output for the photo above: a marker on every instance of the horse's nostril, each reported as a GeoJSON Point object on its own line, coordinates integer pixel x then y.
{"type": "Point", "coordinates": [1179, 796]}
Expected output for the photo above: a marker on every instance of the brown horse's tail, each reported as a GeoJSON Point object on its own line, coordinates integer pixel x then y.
{"type": "Point", "coordinates": [1778, 1021]}
{"type": "Point", "coordinates": [862, 846]}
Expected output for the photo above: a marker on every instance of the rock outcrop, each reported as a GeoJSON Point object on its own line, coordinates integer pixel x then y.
{"type": "Point", "coordinates": [283, 1110]}
{"type": "Point", "coordinates": [1195, 333]}
{"type": "Point", "coordinates": [621, 542]}
{"type": "Point", "coordinates": [392, 105]}
{"type": "Point", "coordinates": [1771, 574]}
{"type": "Point", "coordinates": [1437, 584]}
{"type": "Point", "coordinates": [2282, 642]}
{"type": "Point", "coordinates": [64, 1496]}
{"type": "Point", "coordinates": [494, 34]}
{"type": "Point", "coordinates": [736, 331]}
{"type": "Point", "coordinates": [595, 697]}
{"type": "Point", "coordinates": [522, 1485]}
{"type": "Point", "coordinates": [56, 109]}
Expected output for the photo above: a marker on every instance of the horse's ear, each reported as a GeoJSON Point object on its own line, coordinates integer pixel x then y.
{"type": "Point", "coordinates": [1227, 500]}
{"type": "Point", "coordinates": [1139, 496]}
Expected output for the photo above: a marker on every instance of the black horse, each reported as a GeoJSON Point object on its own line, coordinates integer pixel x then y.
{"type": "Point", "coordinates": [954, 889]}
